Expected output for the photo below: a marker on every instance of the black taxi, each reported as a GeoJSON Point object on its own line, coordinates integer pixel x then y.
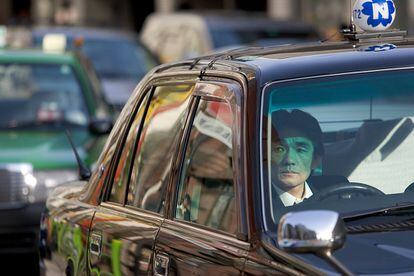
{"type": "Point", "coordinates": [295, 160]}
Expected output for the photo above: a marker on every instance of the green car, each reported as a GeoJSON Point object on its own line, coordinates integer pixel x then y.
{"type": "Point", "coordinates": [43, 96]}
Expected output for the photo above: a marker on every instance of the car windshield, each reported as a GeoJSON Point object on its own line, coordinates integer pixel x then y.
{"type": "Point", "coordinates": [33, 95]}
{"type": "Point", "coordinates": [342, 143]}
{"type": "Point", "coordinates": [264, 36]}
{"type": "Point", "coordinates": [125, 59]}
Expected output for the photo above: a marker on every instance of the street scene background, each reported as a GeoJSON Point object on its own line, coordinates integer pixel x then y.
{"type": "Point", "coordinates": [326, 15]}
{"type": "Point", "coordinates": [18, 18]}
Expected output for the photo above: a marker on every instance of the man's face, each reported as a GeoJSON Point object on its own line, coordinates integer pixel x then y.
{"type": "Point", "coordinates": [291, 161]}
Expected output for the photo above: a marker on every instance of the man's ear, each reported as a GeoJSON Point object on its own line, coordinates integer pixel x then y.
{"type": "Point", "coordinates": [316, 162]}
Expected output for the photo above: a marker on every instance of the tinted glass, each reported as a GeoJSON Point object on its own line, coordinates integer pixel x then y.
{"type": "Point", "coordinates": [123, 169]}
{"type": "Point", "coordinates": [118, 58]}
{"type": "Point", "coordinates": [35, 95]}
{"type": "Point", "coordinates": [325, 137]}
{"type": "Point", "coordinates": [156, 147]}
{"type": "Point", "coordinates": [206, 193]}
{"type": "Point", "coordinates": [101, 107]}
{"type": "Point", "coordinates": [126, 58]}
{"type": "Point", "coordinates": [259, 35]}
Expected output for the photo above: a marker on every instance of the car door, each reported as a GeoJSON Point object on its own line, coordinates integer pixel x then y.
{"type": "Point", "coordinates": [204, 233]}
{"type": "Point", "coordinates": [64, 231]}
{"type": "Point", "coordinates": [126, 223]}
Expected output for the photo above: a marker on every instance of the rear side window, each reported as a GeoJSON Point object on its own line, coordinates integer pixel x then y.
{"type": "Point", "coordinates": [156, 147]}
{"type": "Point", "coordinates": [206, 193]}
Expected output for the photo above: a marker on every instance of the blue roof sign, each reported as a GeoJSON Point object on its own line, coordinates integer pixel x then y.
{"type": "Point", "coordinates": [378, 48]}
{"type": "Point", "coordinates": [374, 15]}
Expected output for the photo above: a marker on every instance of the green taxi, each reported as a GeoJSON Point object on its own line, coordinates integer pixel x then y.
{"type": "Point", "coordinates": [44, 96]}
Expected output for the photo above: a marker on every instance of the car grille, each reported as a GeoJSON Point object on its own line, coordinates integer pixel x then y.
{"type": "Point", "coordinates": [12, 185]}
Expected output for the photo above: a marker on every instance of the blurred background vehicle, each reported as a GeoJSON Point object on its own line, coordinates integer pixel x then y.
{"type": "Point", "coordinates": [41, 96]}
{"type": "Point", "coordinates": [182, 35]}
{"type": "Point", "coordinates": [325, 15]}
{"type": "Point", "coordinates": [118, 57]}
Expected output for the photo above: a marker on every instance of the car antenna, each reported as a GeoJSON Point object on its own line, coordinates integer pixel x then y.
{"type": "Point", "coordinates": [84, 172]}
{"type": "Point", "coordinates": [352, 26]}
{"type": "Point", "coordinates": [352, 29]}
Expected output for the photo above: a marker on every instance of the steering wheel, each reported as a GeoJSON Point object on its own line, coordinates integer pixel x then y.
{"type": "Point", "coordinates": [346, 190]}
{"type": "Point", "coordinates": [410, 188]}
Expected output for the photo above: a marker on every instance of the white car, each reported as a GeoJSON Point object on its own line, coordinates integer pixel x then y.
{"type": "Point", "coordinates": [183, 35]}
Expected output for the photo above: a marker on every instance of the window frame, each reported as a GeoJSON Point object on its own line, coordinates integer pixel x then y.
{"type": "Point", "coordinates": [177, 146]}
{"type": "Point", "coordinates": [232, 95]}
{"type": "Point", "coordinates": [148, 89]}
{"type": "Point", "coordinates": [267, 217]}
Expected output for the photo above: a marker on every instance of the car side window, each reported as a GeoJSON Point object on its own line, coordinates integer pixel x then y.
{"type": "Point", "coordinates": [206, 192]}
{"type": "Point", "coordinates": [101, 107]}
{"type": "Point", "coordinates": [121, 174]}
{"type": "Point", "coordinates": [156, 146]}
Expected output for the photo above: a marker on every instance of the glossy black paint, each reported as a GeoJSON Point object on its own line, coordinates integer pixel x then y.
{"type": "Point", "coordinates": [127, 240]}
{"type": "Point", "coordinates": [64, 229]}
{"type": "Point", "coordinates": [130, 238]}
{"type": "Point", "coordinates": [332, 58]}
{"type": "Point", "coordinates": [196, 251]}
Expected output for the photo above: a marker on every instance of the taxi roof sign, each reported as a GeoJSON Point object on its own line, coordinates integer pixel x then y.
{"type": "Point", "coordinates": [373, 15]}
{"type": "Point", "coordinates": [54, 43]}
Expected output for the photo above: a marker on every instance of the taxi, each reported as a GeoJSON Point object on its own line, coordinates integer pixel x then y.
{"type": "Point", "coordinates": [119, 58]}
{"type": "Point", "coordinates": [43, 95]}
{"type": "Point", "coordinates": [292, 160]}
{"type": "Point", "coordinates": [186, 34]}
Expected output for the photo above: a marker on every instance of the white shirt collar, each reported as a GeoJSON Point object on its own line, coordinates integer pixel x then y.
{"type": "Point", "coordinates": [288, 199]}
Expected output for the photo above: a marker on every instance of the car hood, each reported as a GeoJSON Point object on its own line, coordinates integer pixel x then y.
{"type": "Point", "coordinates": [118, 90]}
{"type": "Point", "coordinates": [44, 150]}
{"type": "Point", "coordinates": [384, 253]}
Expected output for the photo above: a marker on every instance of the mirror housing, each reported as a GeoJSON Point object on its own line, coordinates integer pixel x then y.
{"type": "Point", "coordinates": [100, 126]}
{"type": "Point", "coordinates": [311, 232]}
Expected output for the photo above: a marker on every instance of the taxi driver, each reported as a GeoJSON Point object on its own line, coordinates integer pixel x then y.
{"type": "Point", "coordinates": [296, 149]}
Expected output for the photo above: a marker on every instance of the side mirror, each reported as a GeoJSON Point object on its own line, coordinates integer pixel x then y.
{"type": "Point", "coordinates": [318, 232]}
{"type": "Point", "coordinates": [311, 232]}
{"type": "Point", "coordinates": [100, 126]}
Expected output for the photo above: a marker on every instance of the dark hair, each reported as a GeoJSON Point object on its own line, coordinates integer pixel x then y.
{"type": "Point", "coordinates": [297, 122]}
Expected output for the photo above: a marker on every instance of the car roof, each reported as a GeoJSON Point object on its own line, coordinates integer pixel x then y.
{"type": "Point", "coordinates": [87, 32]}
{"type": "Point", "coordinates": [309, 59]}
{"type": "Point", "coordinates": [35, 55]}
{"type": "Point", "coordinates": [332, 58]}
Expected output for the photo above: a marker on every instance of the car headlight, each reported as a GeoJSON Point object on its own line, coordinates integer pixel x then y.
{"type": "Point", "coordinates": [41, 183]}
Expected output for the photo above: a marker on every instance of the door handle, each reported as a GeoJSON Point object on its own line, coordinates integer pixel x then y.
{"type": "Point", "coordinates": [161, 264]}
{"type": "Point", "coordinates": [95, 244]}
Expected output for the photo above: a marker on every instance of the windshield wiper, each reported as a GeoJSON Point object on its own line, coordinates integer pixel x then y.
{"type": "Point", "coordinates": [399, 208]}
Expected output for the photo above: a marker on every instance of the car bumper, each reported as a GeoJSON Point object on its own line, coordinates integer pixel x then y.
{"type": "Point", "coordinates": [19, 228]}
